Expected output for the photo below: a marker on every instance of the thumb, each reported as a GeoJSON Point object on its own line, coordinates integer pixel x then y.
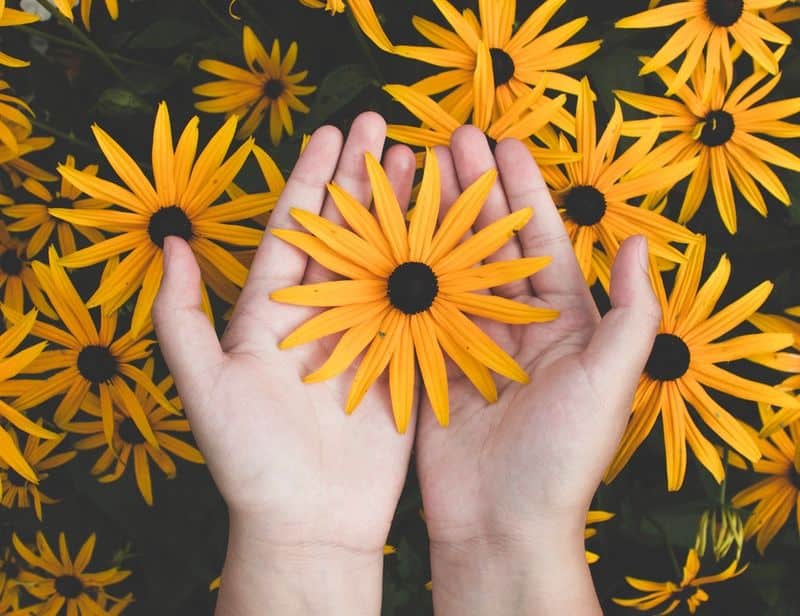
{"type": "Point", "coordinates": [622, 342]}
{"type": "Point", "coordinates": [186, 337]}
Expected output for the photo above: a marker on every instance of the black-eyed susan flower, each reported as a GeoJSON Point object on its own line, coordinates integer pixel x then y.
{"type": "Point", "coordinates": [593, 193]}
{"type": "Point", "coordinates": [364, 15]}
{"type": "Point", "coordinates": [10, 569]}
{"type": "Point", "coordinates": [130, 441]}
{"type": "Point", "coordinates": [266, 85]}
{"type": "Point", "coordinates": [67, 6]}
{"type": "Point", "coordinates": [786, 361]}
{"type": "Point", "coordinates": [14, 164]}
{"type": "Point", "coordinates": [594, 517]}
{"type": "Point", "coordinates": [684, 362]}
{"type": "Point", "coordinates": [88, 360]}
{"type": "Point", "coordinates": [528, 117]}
{"type": "Point", "coordinates": [777, 495]}
{"type": "Point", "coordinates": [722, 528]}
{"type": "Point", "coordinates": [62, 582]}
{"type": "Point", "coordinates": [10, 18]}
{"type": "Point", "coordinates": [407, 288]}
{"type": "Point", "coordinates": [20, 493]}
{"type": "Point", "coordinates": [35, 216]}
{"type": "Point", "coordinates": [709, 26]}
{"type": "Point", "coordinates": [180, 203]}
{"type": "Point", "coordinates": [488, 65]}
{"type": "Point", "coordinates": [11, 366]}
{"type": "Point", "coordinates": [14, 120]}
{"type": "Point", "coordinates": [721, 132]}
{"type": "Point", "coordinates": [17, 278]}
{"type": "Point", "coordinates": [687, 592]}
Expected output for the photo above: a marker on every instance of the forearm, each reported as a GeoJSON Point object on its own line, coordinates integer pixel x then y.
{"type": "Point", "coordinates": [550, 576]}
{"type": "Point", "coordinates": [262, 578]}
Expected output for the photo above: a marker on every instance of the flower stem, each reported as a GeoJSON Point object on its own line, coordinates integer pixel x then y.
{"type": "Point", "coordinates": [72, 44]}
{"type": "Point", "coordinates": [65, 136]}
{"type": "Point", "coordinates": [219, 19]}
{"type": "Point", "coordinates": [81, 36]}
{"type": "Point", "coordinates": [724, 485]}
{"type": "Point", "coordinates": [665, 536]}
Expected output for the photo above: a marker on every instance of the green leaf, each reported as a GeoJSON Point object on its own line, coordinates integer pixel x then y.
{"type": "Point", "coordinates": [121, 102]}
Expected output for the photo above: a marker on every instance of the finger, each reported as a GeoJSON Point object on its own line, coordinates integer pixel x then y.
{"type": "Point", "coordinates": [400, 165]}
{"type": "Point", "coordinates": [473, 157]}
{"type": "Point", "coordinates": [186, 337]}
{"type": "Point", "coordinates": [451, 189]}
{"type": "Point", "coordinates": [367, 134]}
{"type": "Point", "coordinates": [624, 338]}
{"type": "Point", "coordinates": [545, 234]}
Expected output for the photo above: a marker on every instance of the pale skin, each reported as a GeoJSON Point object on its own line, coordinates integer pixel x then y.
{"type": "Point", "coordinates": [312, 491]}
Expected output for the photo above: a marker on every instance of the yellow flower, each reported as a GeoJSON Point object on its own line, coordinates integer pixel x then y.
{"type": "Point", "coordinates": [489, 65]}
{"type": "Point", "coordinates": [594, 517]}
{"type": "Point", "coordinates": [407, 290]}
{"type": "Point", "coordinates": [268, 85]}
{"type": "Point", "coordinates": [181, 203]}
{"type": "Point", "coordinates": [688, 591]}
{"type": "Point", "coordinates": [721, 132]}
{"type": "Point", "coordinates": [723, 525]}
{"type": "Point", "coordinates": [9, 18]}
{"type": "Point", "coordinates": [709, 25]}
{"type": "Point", "coordinates": [594, 192]}
{"type": "Point", "coordinates": [13, 121]}
{"type": "Point", "coordinates": [17, 276]}
{"type": "Point", "coordinates": [777, 495]}
{"type": "Point", "coordinates": [66, 7]}
{"type": "Point", "coordinates": [783, 14]}
{"type": "Point", "coordinates": [364, 14]}
{"type": "Point", "coordinates": [130, 440]}
{"type": "Point", "coordinates": [683, 363]}
{"type": "Point", "coordinates": [88, 360]}
{"type": "Point", "coordinates": [10, 570]}
{"type": "Point", "coordinates": [37, 215]}
{"type": "Point", "coordinates": [63, 581]}
{"type": "Point", "coordinates": [783, 361]}
{"type": "Point", "coordinates": [18, 491]}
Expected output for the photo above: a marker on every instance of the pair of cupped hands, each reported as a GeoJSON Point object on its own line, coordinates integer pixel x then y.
{"type": "Point", "coordinates": [312, 491]}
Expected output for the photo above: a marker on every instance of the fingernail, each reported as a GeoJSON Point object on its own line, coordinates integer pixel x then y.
{"type": "Point", "coordinates": [644, 259]}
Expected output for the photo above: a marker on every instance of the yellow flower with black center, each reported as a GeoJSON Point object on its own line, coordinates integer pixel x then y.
{"type": "Point", "coordinates": [687, 592]}
{"type": "Point", "coordinates": [721, 132]}
{"type": "Point", "coordinates": [594, 517]}
{"type": "Point", "coordinates": [267, 85]}
{"type": "Point", "coordinates": [36, 216]}
{"type": "Point", "coordinates": [709, 25]}
{"type": "Point", "coordinates": [88, 360]}
{"type": "Point", "coordinates": [180, 203]}
{"type": "Point", "coordinates": [489, 64]}
{"type": "Point", "coordinates": [593, 193]}
{"type": "Point", "coordinates": [66, 8]}
{"type": "Point", "coordinates": [130, 441]}
{"type": "Point", "coordinates": [407, 290]}
{"type": "Point", "coordinates": [683, 362]}
{"type": "Point", "coordinates": [778, 493]}
{"type": "Point", "coordinates": [17, 277]}
{"type": "Point", "coordinates": [10, 18]}
{"type": "Point", "coordinates": [63, 582]}
{"type": "Point", "coordinates": [364, 15]}
{"type": "Point", "coordinates": [17, 490]}
{"type": "Point", "coordinates": [784, 361]}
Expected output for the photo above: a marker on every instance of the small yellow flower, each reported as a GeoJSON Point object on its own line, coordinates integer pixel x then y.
{"type": "Point", "coordinates": [66, 8]}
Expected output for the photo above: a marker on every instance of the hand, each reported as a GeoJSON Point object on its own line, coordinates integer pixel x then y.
{"type": "Point", "coordinates": [506, 487]}
{"type": "Point", "coordinates": [311, 491]}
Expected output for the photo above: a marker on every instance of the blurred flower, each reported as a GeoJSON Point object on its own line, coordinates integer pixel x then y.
{"type": "Point", "coordinates": [37, 215]}
{"type": "Point", "coordinates": [181, 204]}
{"type": "Point", "coordinates": [17, 490]}
{"type": "Point", "coordinates": [268, 85]}
{"type": "Point", "coordinates": [64, 582]}
{"type": "Point", "coordinates": [594, 517]}
{"type": "Point", "coordinates": [408, 289]}
{"type": "Point", "coordinates": [133, 438]}
{"type": "Point", "coordinates": [594, 192]}
{"type": "Point", "coordinates": [364, 15]}
{"type": "Point", "coordinates": [709, 25]}
{"type": "Point", "coordinates": [489, 65]}
{"type": "Point", "coordinates": [687, 592]}
{"type": "Point", "coordinates": [13, 121]}
{"type": "Point", "coordinates": [10, 18]}
{"type": "Point", "coordinates": [66, 6]}
{"type": "Point", "coordinates": [15, 137]}
{"type": "Point", "coordinates": [777, 495]}
{"type": "Point", "coordinates": [723, 526]}
{"type": "Point", "coordinates": [16, 275]}
{"type": "Point", "coordinates": [683, 363]}
{"type": "Point", "coordinates": [88, 360]}
{"type": "Point", "coordinates": [721, 131]}
{"type": "Point", "coordinates": [9, 580]}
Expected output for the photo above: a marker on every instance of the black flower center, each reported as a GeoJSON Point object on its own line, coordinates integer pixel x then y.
{"type": "Point", "coordinates": [61, 202]}
{"type": "Point", "coordinates": [15, 479]}
{"type": "Point", "coordinates": [129, 433]}
{"type": "Point", "coordinates": [10, 262]}
{"type": "Point", "coordinates": [794, 477]}
{"type": "Point", "coordinates": [669, 359]}
{"type": "Point", "coordinates": [170, 220]}
{"type": "Point", "coordinates": [97, 364]}
{"type": "Point", "coordinates": [502, 66]}
{"type": "Point", "coordinates": [724, 13]}
{"type": "Point", "coordinates": [11, 569]}
{"type": "Point", "coordinates": [718, 128]}
{"type": "Point", "coordinates": [274, 88]}
{"type": "Point", "coordinates": [585, 205]}
{"type": "Point", "coordinates": [69, 586]}
{"type": "Point", "coordinates": [412, 287]}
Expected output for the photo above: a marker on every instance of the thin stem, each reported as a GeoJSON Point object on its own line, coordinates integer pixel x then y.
{"type": "Point", "coordinates": [72, 44]}
{"type": "Point", "coordinates": [263, 26]}
{"type": "Point", "coordinates": [724, 485]}
{"type": "Point", "coordinates": [218, 18]}
{"type": "Point", "coordinates": [65, 136]}
{"type": "Point", "coordinates": [665, 536]}
{"type": "Point", "coordinates": [81, 36]}
{"type": "Point", "coordinates": [366, 48]}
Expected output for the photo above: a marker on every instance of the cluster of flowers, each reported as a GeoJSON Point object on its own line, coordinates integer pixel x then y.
{"type": "Point", "coordinates": [499, 71]}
